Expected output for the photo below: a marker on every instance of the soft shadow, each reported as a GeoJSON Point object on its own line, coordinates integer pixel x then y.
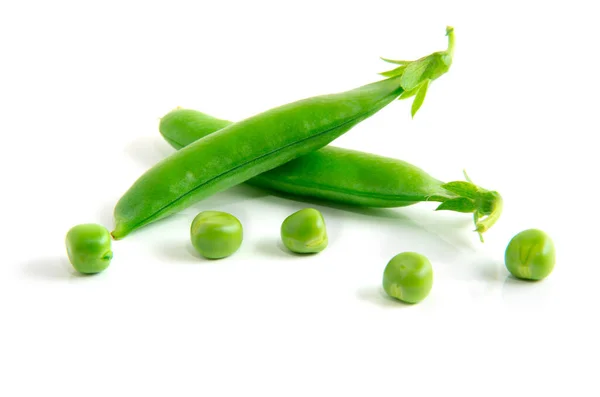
{"type": "Point", "coordinates": [53, 268]}
{"type": "Point", "coordinates": [148, 150]}
{"type": "Point", "coordinates": [275, 248]}
{"type": "Point", "coordinates": [179, 251]}
{"type": "Point", "coordinates": [512, 282]}
{"type": "Point", "coordinates": [377, 296]}
{"type": "Point", "coordinates": [490, 271]}
{"type": "Point", "coordinates": [270, 247]}
{"type": "Point", "coordinates": [515, 291]}
{"type": "Point", "coordinates": [183, 252]}
{"type": "Point", "coordinates": [193, 253]}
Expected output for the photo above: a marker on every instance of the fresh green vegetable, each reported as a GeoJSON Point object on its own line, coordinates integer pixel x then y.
{"type": "Point", "coordinates": [348, 176]}
{"type": "Point", "coordinates": [89, 248]}
{"type": "Point", "coordinates": [304, 232]}
{"type": "Point", "coordinates": [530, 255]}
{"type": "Point", "coordinates": [257, 144]}
{"type": "Point", "coordinates": [216, 234]}
{"type": "Point", "coordinates": [408, 277]}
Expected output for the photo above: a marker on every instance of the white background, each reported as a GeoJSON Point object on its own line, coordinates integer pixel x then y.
{"type": "Point", "coordinates": [82, 87]}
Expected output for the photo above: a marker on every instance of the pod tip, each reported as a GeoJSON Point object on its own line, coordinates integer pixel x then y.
{"type": "Point", "coordinates": [118, 233]}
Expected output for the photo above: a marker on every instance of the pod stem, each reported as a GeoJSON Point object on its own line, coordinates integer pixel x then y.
{"type": "Point", "coordinates": [491, 216]}
{"type": "Point", "coordinates": [486, 205]}
{"type": "Point", "coordinates": [416, 76]}
{"type": "Point", "coordinates": [450, 34]}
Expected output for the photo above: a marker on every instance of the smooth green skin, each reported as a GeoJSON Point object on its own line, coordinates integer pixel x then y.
{"type": "Point", "coordinates": [245, 149]}
{"type": "Point", "coordinates": [530, 255]}
{"type": "Point", "coordinates": [304, 232]}
{"type": "Point", "coordinates": [339, 175]}
{"type": "Point", "coordinates": [216, 234]}
{"type": "Point", "coordinates": [89, 248]}
{"type": "Point", "coordinates": [331, 173]}
{"type": "Point", "coordinates": [408, 277]}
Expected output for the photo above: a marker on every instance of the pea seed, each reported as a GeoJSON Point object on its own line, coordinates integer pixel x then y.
{"type": "Point", "coordinates": [304, 232]}
{"type": "Point", "coordinates": [408, 277]}
{"type": "Point", "coordinates": [89, 248]}
{"type": "Point", "coordinates": [216, 234]}
{"type": "Point", "coordinates": [530, 255]}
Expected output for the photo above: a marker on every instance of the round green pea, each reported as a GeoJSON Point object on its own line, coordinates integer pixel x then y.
{"type": "Point", "coordinates": [89, 248]}
{"type": "Point", "coordinates": [530, 255]}
{"type": "Point", "coordinates": [216, 234]}
{"type": "Point", "coordinates": [408, 277]}
{"type": "Point", "coordinates": [304, 232]}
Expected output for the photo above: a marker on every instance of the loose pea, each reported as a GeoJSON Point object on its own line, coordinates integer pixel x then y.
{"type": "Point", "coordinates": [530, 255]}
{"type": "Point", "coordinates": [408, 277]}
{"type": "Point", "coordinates": [216, 234]}
{"type": "Point", "coordinates": [89, 248]}
{"type": "Point", "coordinates": [304, 231]}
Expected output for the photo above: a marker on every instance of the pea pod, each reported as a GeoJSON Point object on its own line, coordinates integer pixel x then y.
{"type": "Point", "coordinates": [262, 142]}
{"type": "Point", "coordinates": [349, 176]}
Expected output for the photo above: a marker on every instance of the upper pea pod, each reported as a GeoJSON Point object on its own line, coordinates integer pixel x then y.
{"type": "Point", "coordinates": [257, 144]}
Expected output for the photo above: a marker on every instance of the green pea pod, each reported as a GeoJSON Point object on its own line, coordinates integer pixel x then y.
{"type": "Point", "coordinates": [348, 176]}
{"type": "Point", "coordinates": [243, 150]}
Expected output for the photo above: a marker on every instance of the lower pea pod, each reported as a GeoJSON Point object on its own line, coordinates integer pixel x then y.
{"type": "Point", "coordinates": [348, 176]}
{"type": "Point", "coordinates": [243, 150]}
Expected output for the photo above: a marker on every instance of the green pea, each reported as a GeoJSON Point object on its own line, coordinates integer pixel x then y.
{"type": "Point", "coordinates": [530, 255]}
{"type": "Point", "coordinates": [89, 248]}
{"type": "Point", "coordinates": [408, 277]}
{"type": "Point", "coordinates": [304, 232]}
{"type": "Point", "coordinates": [216, 234]}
